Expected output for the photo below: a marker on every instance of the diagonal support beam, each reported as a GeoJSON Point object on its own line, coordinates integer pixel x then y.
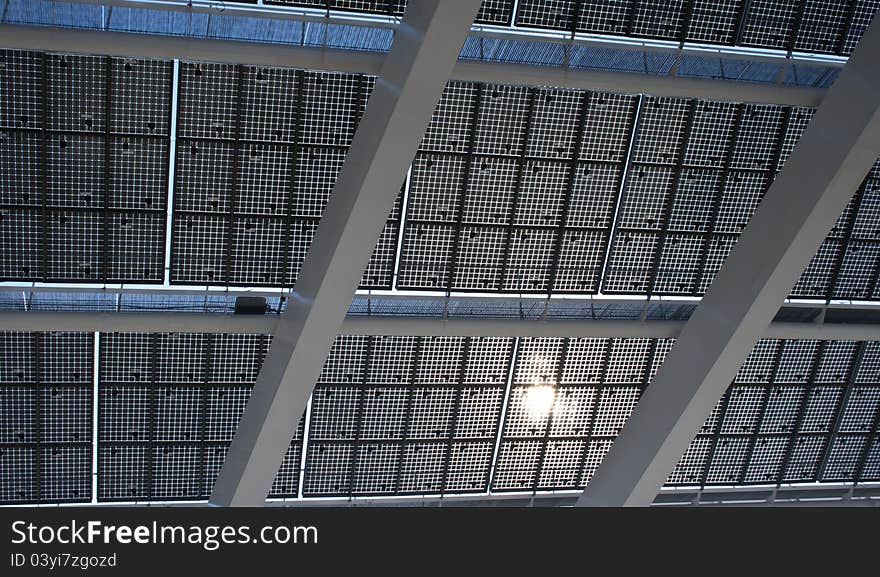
{"type": "Point", "coordinates": [825, 169]}
{"type": "Point", "coordinates": [424, 50]}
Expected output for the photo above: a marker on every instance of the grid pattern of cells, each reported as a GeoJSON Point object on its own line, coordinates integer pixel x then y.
{"type": "Point", "coordinates": [413, 415]}
{"type": "Point", "coordinates": [761, 432]}
{"type": "Point", "coordinates": [673, 197]}
{"type": "Point", "coordinates": [514, 189]}
{"type": "Point", "coordinates": [691, 467]}
{"type": "Point", "coordinates": [168, 407]}
{"type": "Point", "coordinates": [46, 424]}
{"type": "Point", "coordinates": [84, 156]}
{"type": "Point", "coordinates": [569, 397]}
{"type": "Point", "coordinates": [697, 174]}
{"type": "Point", "coordinates": [259, 150]}
{"type": "Point", "coordinates": [814, 26]}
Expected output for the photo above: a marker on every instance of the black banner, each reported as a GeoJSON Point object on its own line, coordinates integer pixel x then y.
{"type": "Point", "coordinates": [176, 539]}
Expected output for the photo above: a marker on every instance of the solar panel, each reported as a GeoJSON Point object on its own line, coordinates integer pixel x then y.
{"type": "Point", "coordinates": [45, 417]}
{"type": "Point", "coordinates": [258, 153]}
{"type": "Point", "coordinates": [776, 421]}
{"type": "Point", "coordinates": [410, 415]}
{"type": "Point", "coordinates": [169, 405]}
{"type": "Point", "coordinates": [514, 189]}
{"type": "Point", "coordinates": [568, 397]}
{"type": "Point", "coordinates": [84, 151]}
{"type": "Point", "coordinates": [862, 12]}
{"type": "Point", "coordinates": [414, 415]}
{"type": "Point", "coordinates": [813, 26]}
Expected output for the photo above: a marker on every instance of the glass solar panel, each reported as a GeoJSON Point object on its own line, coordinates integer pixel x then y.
{"type": "Point", "coordinates": [814, 26]}
{"type": "Point", "coordinates": [823, 26]}
{"type": "Point", "coordinates": [567, 395]}
{"type": "Point", "coordinates": [257, 157]}
{"type": "Point", "coordinates": [413, 415]}
{"type": "Point", "coordinates": [45, 417]}
{"type": "Point", "coordinates": [490, 12]}
{"type": "Point", "coordinates": [85, 144]}
{"type": "Point", "coordinates": [169, 405]}
{"type": "Point", "coordinates": [514, 190]}
{"type": "Point", "coordinates": [863, 12]}
{"type": "Point", "coordinates": [417, 417]}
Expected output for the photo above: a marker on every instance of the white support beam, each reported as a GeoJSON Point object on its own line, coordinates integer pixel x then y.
{"type": "Point", "coordinates": [392, 325]}
{"type": "Point", "coordinates": [262, 54]}
{"type": "Point", "coordinates": [407, 90]}
{"type": "Point", "coordinates": [827, 165]}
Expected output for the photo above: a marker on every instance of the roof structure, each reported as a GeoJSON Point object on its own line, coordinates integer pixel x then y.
{"type": "Point", "coordinates": [549, 240]}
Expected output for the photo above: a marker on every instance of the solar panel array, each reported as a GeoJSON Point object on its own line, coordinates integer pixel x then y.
{"type": "Point", "coordinates": [45, 417]}
{"type": "Point", "coordinates": [814, 26]}
{"type": "Point", "coordinates": [513, 189]}
{"type": "Point", "coordinates": [415, 415]}
{"type": "Point", "coordinates": [406, 415]}
{"type": "Point", "coordinates": [84, 144]}
{"type": "Point", "coordinates": [698, 171]}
